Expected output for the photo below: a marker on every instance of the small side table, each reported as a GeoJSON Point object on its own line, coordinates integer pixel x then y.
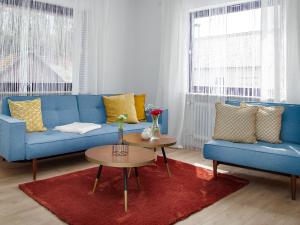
{"type": "Point", "coordinates": [135, 139]}
{"type": "Point", "coordinates": [137, 157]}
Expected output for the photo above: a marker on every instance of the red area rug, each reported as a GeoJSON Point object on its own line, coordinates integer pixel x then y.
{"type": "Point", "coordinates": [161, 200]}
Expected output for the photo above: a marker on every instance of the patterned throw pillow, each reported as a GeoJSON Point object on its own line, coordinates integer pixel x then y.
{"type": "Point", "coordinates": [268, 123]}
{"type": "Point", "coordinates": [30, 112]}
{"type": "Point", "coordinates": [235, 124]}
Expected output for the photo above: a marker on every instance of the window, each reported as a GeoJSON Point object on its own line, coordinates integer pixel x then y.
{"type": "Point", "coordinates": [225, 56]}
{"type": "Point", "coordinates": [35, 48]}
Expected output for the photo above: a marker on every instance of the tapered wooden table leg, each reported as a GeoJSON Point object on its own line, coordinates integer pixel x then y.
{"type": "Point", "coordinates": [34, 168]}
{"type": "Point", "coordinates": [154, 149]}
{"type": "Point", "coordinates": [163, 141]}
{"type": "Point", "coordinates": [215, 168]}
{"type": "Point", "coordinates": [293, 186]}
{"type": "Point", "coordinates": [138, 182]}
{"type": "Point", "coordinates": [125, 188]}
{"type": "Point", "coordinates": [129, 172]}
{"type": "Point", "coordinates": [97, 178]}
{"type": "Point", "coordinates": [166, 160]}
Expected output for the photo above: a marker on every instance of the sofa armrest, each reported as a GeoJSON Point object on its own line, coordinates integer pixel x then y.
{"type": "Point", "coordinates": [12, 138]}
{"type": "Point", "coordinates": [162, 120]}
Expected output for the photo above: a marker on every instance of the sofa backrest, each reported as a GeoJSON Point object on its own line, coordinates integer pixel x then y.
{"type": "Point", "coordinates": [290, 129]}
{"type": "Point", "coordinates": [56, 109]}
{"type": "Point", "coordinates": [91, 109]}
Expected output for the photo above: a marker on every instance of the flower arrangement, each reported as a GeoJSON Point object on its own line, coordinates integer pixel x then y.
{"type": "Point", "coordinates": [121, 120]}
{"type": "Point", "coordinates": [154, 112]}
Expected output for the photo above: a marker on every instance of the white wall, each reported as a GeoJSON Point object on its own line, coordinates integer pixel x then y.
{"type": "Point", "coordinates": [117, 53]}
{"type": "Point", "coordinates": [132, 59]}
{"type": "Point", "coordinates": [146, 48]}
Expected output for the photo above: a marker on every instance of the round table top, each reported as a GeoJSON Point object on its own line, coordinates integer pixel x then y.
{"type": "Point", "coordinates": [136, 139]}
{"type": "Point", "coordinates": [136, 157]}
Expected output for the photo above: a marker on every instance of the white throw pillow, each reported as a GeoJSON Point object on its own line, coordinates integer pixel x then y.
{"type": "Point", "coordinates": [77, 127]}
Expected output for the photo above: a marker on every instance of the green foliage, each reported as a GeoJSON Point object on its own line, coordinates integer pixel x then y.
{"type": "Point", "coordinates": [121, 120]}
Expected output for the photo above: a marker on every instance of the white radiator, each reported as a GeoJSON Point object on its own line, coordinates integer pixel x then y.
{"type": "Point", "coordinates": [200, 117]}
{"type": "Point", "coordinates": [198, 120]}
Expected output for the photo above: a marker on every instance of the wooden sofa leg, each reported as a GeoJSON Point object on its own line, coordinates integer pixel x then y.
{"type": "Point", "coordinates": [34, 168]}
{"type": "Point", "coordinates": [215, 168]}
{"type": "Point", "coordinates": [293, 186]}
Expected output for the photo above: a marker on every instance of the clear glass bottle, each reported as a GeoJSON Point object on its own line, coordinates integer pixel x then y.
{"type": "Point", "coordinates": [155, 130]}
{"type": "Point", "coordinates": [120, 135]}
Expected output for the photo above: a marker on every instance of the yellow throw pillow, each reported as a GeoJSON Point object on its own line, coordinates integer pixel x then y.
{"type": "Point", "coordinates": [268, 122]}
{"type": "Point", "coordinates": [235, 124]}
{"type": "Point", "coordinates": [140, 106]}
{"type": "Point", "coordinates": [120, 104]}
{"type": "Point", "coordinates": [30, 112]}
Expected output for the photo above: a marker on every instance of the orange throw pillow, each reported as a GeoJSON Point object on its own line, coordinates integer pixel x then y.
{"type": "Point", "coordinates": [139, 101]}
{"type": "Point", "coordinates": [120, 104]}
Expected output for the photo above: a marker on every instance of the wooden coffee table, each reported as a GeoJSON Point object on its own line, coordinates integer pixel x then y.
{"type": "Point", "coordinates": [136, 157]}
{"type": "Point", "coordinates": [164, 141]}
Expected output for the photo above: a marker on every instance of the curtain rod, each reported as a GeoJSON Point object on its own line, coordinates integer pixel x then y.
{"type": "Point", "coordinates": [42, 6]}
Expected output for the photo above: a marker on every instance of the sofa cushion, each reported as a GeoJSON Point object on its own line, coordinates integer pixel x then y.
{"type": "Point", "coordinates": [56, 109]}
{"type": "Point", "coordinates": [30, 112]}
{"type": "Point", "coordinates": [290, 128]}
{"type": "Point", "coordinates": [268, 122]}
{"type": "Point", "coordinates": [139, 101]}
{"type": "Point", "coordinates": [91, 109]}
{"type": "Point", "coordinates": [118, 105]}
{"type": "Point", "coordinates": [52, 142]}
{"type": "Point", "coordinates": [235, 124]}
{"type": "Point", "coordinates": [282, 158]}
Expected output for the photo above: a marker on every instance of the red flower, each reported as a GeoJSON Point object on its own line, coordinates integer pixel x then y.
{"type": "Point", "coordinates": [156, 112]}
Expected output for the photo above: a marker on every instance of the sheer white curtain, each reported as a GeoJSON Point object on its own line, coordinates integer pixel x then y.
{"type": "Point", "coordinates": [225, 63]}
{"type": "Point", "coordinates": [239, 50]}
{"type": "Point", "coordinates": [173, 77]}
{"type": "Point", "coordinates": [273, 50]}
{"type": "Point", "coordinates": [281, 50]}
{"type": "Point", "coordinates": [293, 51]}
{"type": "Point", "coordinates": [35, 48]}
{"type": "Point", "coordinates": [52, 46]}
{"type": "Point", "coordinates": [90, 35]}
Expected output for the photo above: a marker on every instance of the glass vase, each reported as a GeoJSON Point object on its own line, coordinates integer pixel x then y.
{"type": "Point", "coordinates": [120, 136]}
{"type": "Point", "coordinates": [155, 130]}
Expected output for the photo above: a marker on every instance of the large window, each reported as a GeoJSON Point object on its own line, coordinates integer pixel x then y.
{"type": "Point", "coordinates": [225, 56]}
{"type": "Point", "coordinates": [35, 48]}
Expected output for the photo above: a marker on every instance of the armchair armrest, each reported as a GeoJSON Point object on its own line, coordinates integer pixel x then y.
{"type": "Point", "coordinates": [162, 120]}
{"type": "Point", "coordinates": [12, 138]}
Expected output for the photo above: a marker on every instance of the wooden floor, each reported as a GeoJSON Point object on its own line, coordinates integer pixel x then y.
{"type": "Point", "coordinates": [266, 200]}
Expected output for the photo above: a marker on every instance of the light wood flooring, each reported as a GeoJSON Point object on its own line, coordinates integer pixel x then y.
{"type": "Point", "coordinates": [265, 201]}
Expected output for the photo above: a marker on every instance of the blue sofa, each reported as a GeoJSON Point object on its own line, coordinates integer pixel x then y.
{"type": "Point", "coordinates": [18, 145]}
{"type": "Point", "coordinates": [281, 158]}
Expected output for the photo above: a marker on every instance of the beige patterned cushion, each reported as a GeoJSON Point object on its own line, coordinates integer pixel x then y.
{"type": "Point", "coordinates": [235, 124]}
{"type": "Point", "coordinates": [268, 123]}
